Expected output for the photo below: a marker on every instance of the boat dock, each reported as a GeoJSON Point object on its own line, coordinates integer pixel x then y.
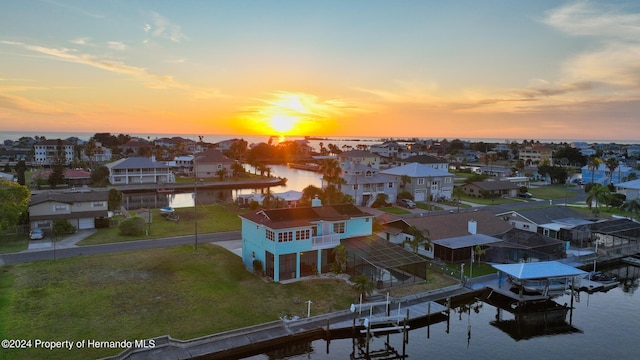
{"type": "Point", "coordinates": [631, 260]}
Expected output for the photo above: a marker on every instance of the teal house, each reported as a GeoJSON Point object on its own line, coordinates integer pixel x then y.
{"type": "Point", "coordinates": [296, 242]}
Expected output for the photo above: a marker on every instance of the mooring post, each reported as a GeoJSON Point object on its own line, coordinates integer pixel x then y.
{"type": "Point", "coordinates": [448, 312]}
{"type": "Point", "coordinates": [428, 319]}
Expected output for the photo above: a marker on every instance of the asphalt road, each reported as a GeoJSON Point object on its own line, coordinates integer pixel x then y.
{"type": "Point", "coordinates": [51, 254]}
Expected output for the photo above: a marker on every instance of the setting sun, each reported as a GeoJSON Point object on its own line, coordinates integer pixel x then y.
{"type": "Point", "coordinates": [283, 123]}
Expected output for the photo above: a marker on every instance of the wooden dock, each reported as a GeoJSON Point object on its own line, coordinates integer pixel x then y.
{"type": "Point", "coordinates": [631, 260]}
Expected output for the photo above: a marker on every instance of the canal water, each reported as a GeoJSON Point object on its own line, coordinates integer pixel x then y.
{"type": "Point", "coordinates": [296, 180]}
{"type": "Point", "coordinates": [603, 325]}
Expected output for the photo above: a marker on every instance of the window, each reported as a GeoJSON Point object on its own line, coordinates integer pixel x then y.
{"type": "Point", "coordinates": [60, 208]}
{"type": "Point", "coordinates": [338, 228]}
{"type": "Point", "coordinates": [285, 236]}
{"type": "Point", "coordinates": [303, 234]}
{"type": "Point", "coordinates": [420, 181]}
{"type": "Point", "coordinates": [447, 180]}
{"type": "Point", "coordinates": [270, 235]}
{"type": "Point", "coordinates": [97, 204]}
{"type": "Point", "coordinates": [355, 187]}
{"type": "Point", "coordinates": [390, 185]}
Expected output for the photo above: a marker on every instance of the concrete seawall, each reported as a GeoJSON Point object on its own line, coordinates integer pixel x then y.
{"type": "Point", "coordinates": [256, 339]}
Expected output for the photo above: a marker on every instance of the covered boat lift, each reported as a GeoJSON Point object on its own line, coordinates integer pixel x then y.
{"type": "Point", "coordinates": [541, 272]}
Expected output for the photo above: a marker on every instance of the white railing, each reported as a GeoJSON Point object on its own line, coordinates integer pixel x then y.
{"type": "Point", "coordinates": [325, 241]}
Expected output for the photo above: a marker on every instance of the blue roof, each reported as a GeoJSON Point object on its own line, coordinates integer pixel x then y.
{"type": "Point", "coordinates": [538, 270]}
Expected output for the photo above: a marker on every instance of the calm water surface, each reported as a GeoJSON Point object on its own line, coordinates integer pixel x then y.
{"type": "Point", "coordinates": [296, 180]}
{"type": "Point", "coordinates": [607, 326]}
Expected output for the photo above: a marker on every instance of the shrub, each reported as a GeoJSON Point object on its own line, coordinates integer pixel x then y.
{"type": "Point", "coordinates": [132, 227]}
{"type": "Point", "coordinates": [257, 267]}
{"type": "Point", "coordinates": [62, 227]}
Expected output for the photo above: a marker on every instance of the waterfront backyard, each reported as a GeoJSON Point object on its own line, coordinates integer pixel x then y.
{"type": "Point", "coordinates": [145, 294]}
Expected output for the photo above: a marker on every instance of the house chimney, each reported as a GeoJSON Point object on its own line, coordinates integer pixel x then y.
{"type": "Point", "coordinates": [316, 202]}
{"type": "Point", "coordinates": [472, 227]}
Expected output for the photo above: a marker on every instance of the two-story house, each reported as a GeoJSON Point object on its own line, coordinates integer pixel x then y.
{"type": "Point", "coordinates": [139, 170]}
{"type": "Point", "coordinates": [364, 183]}
{"type": "Point", "coordinates": [426, 182]}
{"type": "Point", "coordinates": [207, 164]}
{"type": "Point", "coordinates": [80, 208]}
{"type": "Point", "coordinates": [296, 242]}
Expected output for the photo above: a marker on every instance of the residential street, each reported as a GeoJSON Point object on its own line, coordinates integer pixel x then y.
{"type": "Point", "coordinates": [66, 251]}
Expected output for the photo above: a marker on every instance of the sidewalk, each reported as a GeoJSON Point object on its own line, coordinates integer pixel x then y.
{"type": "Point", "coordinates": [68, 242]}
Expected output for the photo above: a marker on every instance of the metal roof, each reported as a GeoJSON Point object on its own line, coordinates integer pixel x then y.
{"type": "Point", "coordinates": [466, 241]}
{"type": "Point", "coordinates": [538, 270]}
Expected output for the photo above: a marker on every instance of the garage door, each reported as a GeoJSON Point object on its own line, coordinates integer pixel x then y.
{"type": "Point", "coordinates": [86, 223]}
{"type": "Point", "coordinates": [419, 195]}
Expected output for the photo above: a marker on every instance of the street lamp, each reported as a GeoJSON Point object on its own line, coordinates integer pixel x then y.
{"type": "Point", "coordinates": [195, 199]}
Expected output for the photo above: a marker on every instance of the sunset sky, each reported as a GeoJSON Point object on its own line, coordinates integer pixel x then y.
{"type": "Point", "coordinates": [433, 69]}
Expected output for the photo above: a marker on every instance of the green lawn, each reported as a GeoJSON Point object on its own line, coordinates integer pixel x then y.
{"type": "Point", "coordinates": [394, 210]}
{"type": "Point", "coordinates": [211, 218]}
{"type": "Point", "coordinates": [13, 243]}
{"type": "Point", "coordinates": [548, 192]}
{"type": "Point", "coordinates": [145, 294]}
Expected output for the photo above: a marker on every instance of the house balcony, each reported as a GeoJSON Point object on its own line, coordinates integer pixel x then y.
{"type": "Point", "coordinates": [325, 241]}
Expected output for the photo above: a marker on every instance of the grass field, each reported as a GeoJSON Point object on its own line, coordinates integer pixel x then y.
{"type": "Point", "coordinates": [144, 294]}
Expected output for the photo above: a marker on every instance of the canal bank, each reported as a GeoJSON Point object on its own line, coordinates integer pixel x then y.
{"type": "Point", "coordinates": [228, 184]}
{"type": "Point", "coordinates": [421, 310]}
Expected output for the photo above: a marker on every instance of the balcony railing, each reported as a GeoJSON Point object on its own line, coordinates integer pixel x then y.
{"type": "Point", "coordinates": [325, 241]}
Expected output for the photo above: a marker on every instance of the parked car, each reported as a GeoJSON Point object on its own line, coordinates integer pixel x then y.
{"type": "Point", "coordinates": [36, 234]}
{"type": "Point", "coordinates": [525, 195]}
{"type": "Point", "coordinates": [409, 204]}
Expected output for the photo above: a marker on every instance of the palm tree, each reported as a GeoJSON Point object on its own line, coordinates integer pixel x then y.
{"type": "Point", "coordinates": [632, 206]}
{"type": "Point", "coordinates": [458, 191]}
{"type": "Point", "coordinates": [330, 170]}
{"type": "Point", "coordinates": [404, 180]}
{"type": "Point", "coordinates": [612, 164]}
{"type": "Point", "coordinates": [221, 173]}
{"type": "Point", "coordinates": [418, 237]}
{"type": "Point", "coordinates": [362, 285]}
{"type": "Point", "coordinates": [598, 193]}
{"type": "Point", "coordinates": [593, 165]}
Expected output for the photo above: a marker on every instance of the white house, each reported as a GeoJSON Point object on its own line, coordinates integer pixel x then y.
{"type": "Point", "coordinates": [364, 183]}
{"type": "Point", "coordinates": [139, 170]}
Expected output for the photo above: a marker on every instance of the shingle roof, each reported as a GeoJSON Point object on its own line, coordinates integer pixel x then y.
{"type": "Point", "coordinates": [69, 197]}
{"type": "Point", "coordinates": [212, 156]}
{"type": "Point", "coordinates": [136, 163]}
{"type": "Point", "coordinates": [549, 214]}
{"type": "Point", "coordinates": [303, 216]}
{"type": "Point", "coordinates": [454, 225]}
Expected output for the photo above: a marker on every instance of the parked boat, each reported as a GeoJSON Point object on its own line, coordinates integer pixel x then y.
{"type": "Point", "coordinates": [167, 210]}
{"type": "Point", "coordinates": [546, 287]}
